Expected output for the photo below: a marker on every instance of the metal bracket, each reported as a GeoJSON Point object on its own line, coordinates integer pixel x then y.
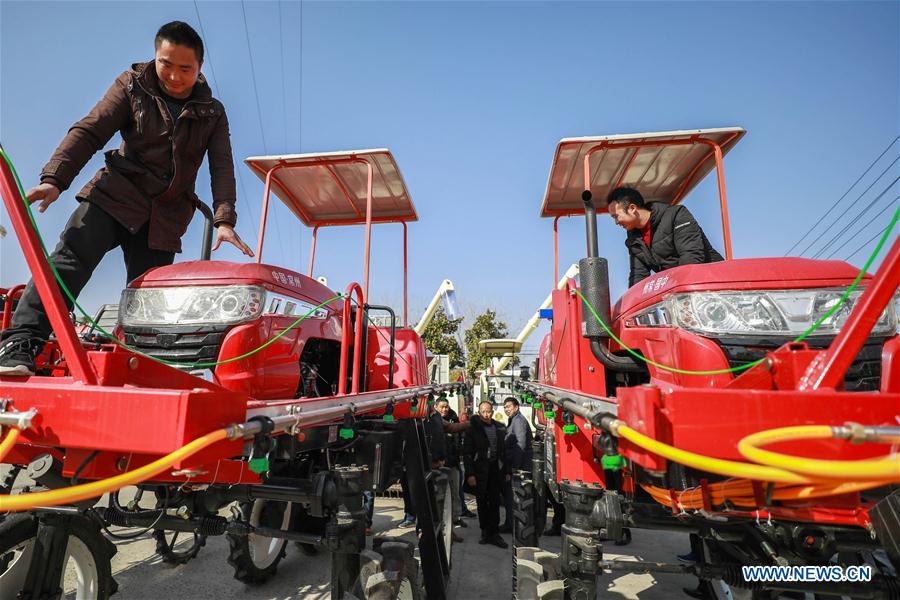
{"type": "Point", "coordinates": [19, 420]}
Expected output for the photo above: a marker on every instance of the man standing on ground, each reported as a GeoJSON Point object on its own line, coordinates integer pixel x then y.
{"type": "Point", "coordinates": [459, 438]}
{"type": "Point", "coordinates": [518, 453]}
{"type": "Point", "coordinates": [435, 431]}
{"type": "Point", "coordinates": [451, 461]}
{"type": "Point", "coordinates": [660, 236]}
{"type": "Point", "coordinates": [484, 459]}
{"type": "Point", "coordinates": [143, 198]}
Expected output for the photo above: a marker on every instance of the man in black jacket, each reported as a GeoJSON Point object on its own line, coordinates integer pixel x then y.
{"type": "Point", "coordinates": [484, 457]}
{"type": "Point", "coordinates": [452, 429]}
{"type": "Point", "coordinates": [518, 453]}
{"type": "Point", "coordinates": [660, 236]}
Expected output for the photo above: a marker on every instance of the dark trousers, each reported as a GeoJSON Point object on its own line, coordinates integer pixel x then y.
{"type": "Point", "coordinates": [488, 481]}
{"type": "Point", "coordinates": [408, 510]}
{"type": "Point", "coordinates": [87, 237]}
{"type": "Point", "coordinates": [462, 485]}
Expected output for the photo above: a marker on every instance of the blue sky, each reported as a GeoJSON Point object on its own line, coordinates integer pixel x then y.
{"type": "Point", "coordinates": [472, 99]}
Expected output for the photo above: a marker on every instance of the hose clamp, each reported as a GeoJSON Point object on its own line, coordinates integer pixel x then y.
{"type": "Point", "coordinates": [19, 420]}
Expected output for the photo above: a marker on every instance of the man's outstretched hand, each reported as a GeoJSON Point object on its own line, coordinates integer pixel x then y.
{"type": "Point", "coordinates": [226, 233]}
{"type": "Point", "coordinates": [47, 193]}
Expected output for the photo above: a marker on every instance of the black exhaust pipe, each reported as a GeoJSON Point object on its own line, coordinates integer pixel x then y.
{"type": "Point", "coordinates": [594, 272]}
{"type": "Point", "coordinates": [206, 245]}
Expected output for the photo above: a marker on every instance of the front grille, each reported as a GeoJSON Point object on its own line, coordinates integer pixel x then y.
{"type": "Point", "coordinates": [185, 344]}
{"type": "Point", "coordinates": [863, 375]}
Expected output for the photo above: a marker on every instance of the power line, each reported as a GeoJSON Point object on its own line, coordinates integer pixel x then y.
{"type": "Point", "coordinates": [215, 83]}
{"type": "Point", "coordinates": [262, 131]}
{"type": "Point", "coordinates": [828, 212]}
{"type": "Point", "coordinates": [283, 93]}
{"type": "Point", "coordinates": [872, 239]}
{"type": "Point", "coordinates": [859, 214]}
{"type": "Point", "coordinates": [858, 198]}
{"type": "Point", "coordinates": [300, 104]}
{"type": "Point", "coordinates": [863, 228]}
{"type": "Point", "coordinates": [300, 113]}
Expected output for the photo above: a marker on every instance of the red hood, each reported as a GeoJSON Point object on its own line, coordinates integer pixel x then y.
{"type": "Point", "coordinates": [740, 274]}
{"type": "Point", "coordinates": [219, 272]}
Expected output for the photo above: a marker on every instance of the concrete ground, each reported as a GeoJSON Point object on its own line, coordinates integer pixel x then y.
{"type": "Point", "coordinates": [479, 572]}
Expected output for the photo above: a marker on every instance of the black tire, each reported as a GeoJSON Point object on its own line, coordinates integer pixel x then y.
{"type": "Point", "coordinates": [173, 554]}
{"type": "Point", "coordinates": [525, 530]}
{"type": "Point", "coordinates": [444, 501]}
{"type": "Point", "coordinates": [390, 571]}
{"type": "Point", "coordinates": [250, 565]}
{"type": "Point", "coordinates": [7, 482]}
{"type": "Point", "coordinates": [17, 535]}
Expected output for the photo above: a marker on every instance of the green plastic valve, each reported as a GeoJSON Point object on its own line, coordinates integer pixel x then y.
{"type": "Point", "coordinates": [388, 418]}
{"type": "Point", "coordinates": [259, 465]}
{"type": "Point", "coordinates": [570, 429]}
{"type": "Point", "coordinates": [346, 434]}
{"type": "Point", "coordinates": [549, 414]}
{"type": "Point", "coordinates": [613, 463]}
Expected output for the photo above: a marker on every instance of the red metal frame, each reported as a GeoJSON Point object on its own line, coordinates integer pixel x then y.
{"type": "Point", "coordinates": [265, 211]}
{"type": "Point", "coordinates": [322, 163]}
{"type": "Point", "coordinates": [829, 368]}
{"type": "Point", "coordinates": [312, 257]}
{"type": "Point", "coordinates": [352, 289]}
{"type": "Point", "coordinates": [13, 294]}
{"type": "Point", "coordinates": [46, 284]}
{"type": "Point", "coordinates": [368, 221]}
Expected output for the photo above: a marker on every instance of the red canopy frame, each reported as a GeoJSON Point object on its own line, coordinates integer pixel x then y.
{"type": "Point", "coordinates": [687, 183]}
{"type": "Point", "coordinates": [378, 164]}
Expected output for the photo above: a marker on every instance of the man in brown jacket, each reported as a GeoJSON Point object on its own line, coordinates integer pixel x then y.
{"type": "Point", "coordinates": [143, 198]}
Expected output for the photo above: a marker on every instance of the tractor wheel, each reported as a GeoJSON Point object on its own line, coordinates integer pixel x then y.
{"type": "Point", "coordinates": [445, 507]}
{"type": "Point", "coordinates": [174, 553]}
{"type": "Point", "coordinates": [525, 531]}
{"type": "Point", "coordinates": [718, 589]}
{"type": "Point", "coordinates": [87, 573]}
{"type": "Point", "coordinates": [254, 557]}
{"type": "Point", "coordinates": [390, 571]}
{"type": "Point", "coordinates": [535, 575]}
{"type": "Point", "coordinates": [7, 482]}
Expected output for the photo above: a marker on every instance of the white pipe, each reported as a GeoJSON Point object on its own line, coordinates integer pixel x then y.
{"type": "Point", "coordinates": [445, 287]}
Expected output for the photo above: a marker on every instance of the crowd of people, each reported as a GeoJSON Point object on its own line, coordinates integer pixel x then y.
{"type": "Point", "coordinates": [479, 453]}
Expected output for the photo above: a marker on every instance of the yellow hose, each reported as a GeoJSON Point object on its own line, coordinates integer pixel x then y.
{"type": "Point", "coordinates": [21, 502]}
{"type": "Point", "coordinates": [8, 442]}
{"type": "Point", "coordinates": [712, 465]}
{"type": "Point", "coordinates": [885, 468]}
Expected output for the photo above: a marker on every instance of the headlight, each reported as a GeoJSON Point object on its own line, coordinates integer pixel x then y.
{"type": "Point", "coordinates": [218, 305]}
{"type": "Point", "coordinates": [784, 312]}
